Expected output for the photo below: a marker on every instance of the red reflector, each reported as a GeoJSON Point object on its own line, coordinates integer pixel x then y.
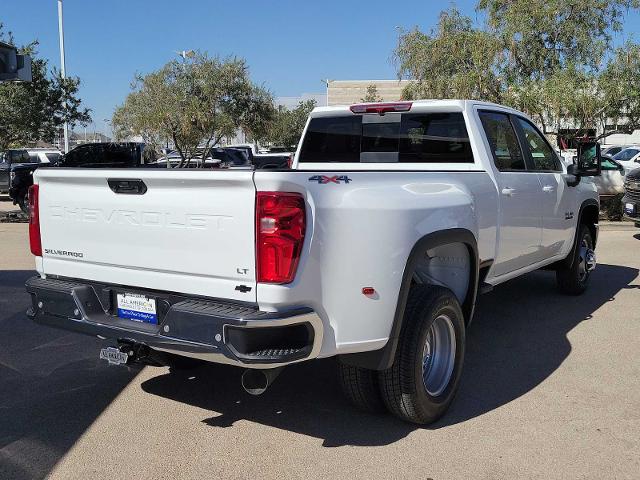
{"type": "Point", "coordinates": [368, 291]}
{"type": "Point", "coordinates": [34, 222]}
{"type": "Point", "coordinates": [381, 108]}
{"type": "Point", "coordinates": [280, 229]}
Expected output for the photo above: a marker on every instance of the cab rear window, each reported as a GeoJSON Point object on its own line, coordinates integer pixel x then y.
{"type": "Point", "coordinates": [391, 138]}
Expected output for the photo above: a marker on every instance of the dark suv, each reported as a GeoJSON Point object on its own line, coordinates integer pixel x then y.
{"type": "Point", "coordinates": [9, 158]}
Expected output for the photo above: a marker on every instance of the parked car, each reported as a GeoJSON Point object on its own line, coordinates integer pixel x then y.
{"type": "Point", "coordinates": [108, 155]}
{"type": "Point", "coordinates": [612, 150]}
{"type": "Point", "coordinates": [7, 159]}
{"type": "Point", "coordinates": [175, 160]}
{"type": "Point", "coordinates": [231, 157]}
{"type": "Point", "coordinates": [16, 168]}
{"type": "Point", "coordinates": [629, 158]}
{"type": "Point", "coordinates": [263, 161]}
{"type": "Point", "coordinates": [372, 248]}
{"type": "Point", "coordinates": [217, 157]}
{"type": "Point", "coordinates": [610, 182]}
{"type": "Point", "coordinates": [631, 199]}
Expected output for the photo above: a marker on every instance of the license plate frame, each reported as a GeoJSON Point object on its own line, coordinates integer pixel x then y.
{"type": "Point", "coordinates": [136, 307]}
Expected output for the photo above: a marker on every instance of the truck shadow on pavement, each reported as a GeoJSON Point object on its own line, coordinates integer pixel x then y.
{"type": "Point", "coordinates": [518, 338]}
{"type": "Point", "coordinates": [52, 386]}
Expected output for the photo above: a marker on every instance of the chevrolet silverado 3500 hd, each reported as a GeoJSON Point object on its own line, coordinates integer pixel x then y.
{"type": "Point", "coordinates": [372, 248]}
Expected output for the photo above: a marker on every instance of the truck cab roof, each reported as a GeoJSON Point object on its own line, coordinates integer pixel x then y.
{"type": "Point", "coordinates": [455, 104]}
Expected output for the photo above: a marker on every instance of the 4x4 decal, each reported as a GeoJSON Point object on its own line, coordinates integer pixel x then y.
{"type": "Point", "coordinates": [323, 179]}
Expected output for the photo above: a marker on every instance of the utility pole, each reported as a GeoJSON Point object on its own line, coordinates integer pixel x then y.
{"type": "Point", "coordinates": [62, 70]}
{"type": "Point", "coordinates": [327, 82]}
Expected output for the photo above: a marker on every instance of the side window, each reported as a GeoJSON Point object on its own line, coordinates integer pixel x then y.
{"type": "Point", "coordinates": [544, 158]}
{"type": "Point", "coordinates": [34, 158]}
{"type": "Point", "coordinates": [434, 138]}
{"type": "Point", "coordinates": [503, 141]}
{"type": "Point", "coordinates": [19, 156]}
{"type": "Point", "coordinates": [626, 154]}
{"type": "Point", "coordinates": [332, 139]}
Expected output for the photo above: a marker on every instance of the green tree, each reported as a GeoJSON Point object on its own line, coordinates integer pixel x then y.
{"type": "Point", "coordinates": [36, 110]}
{"type": "Point", "coordinates": [371, 95]}
{"type": "Point", "coordinates": [194, 103]}
{"type": "Point", "coordinates": [553, 60]}
{"type": "Point", "coordinates": [454, 59]}
{"type": "Point", "coordinates": [288, 124]}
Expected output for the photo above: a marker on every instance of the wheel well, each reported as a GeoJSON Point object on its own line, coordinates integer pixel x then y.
{"type": "Point", "coordinates": [589, 218]}
{"type": "Point", "coordinates": [446, 265]}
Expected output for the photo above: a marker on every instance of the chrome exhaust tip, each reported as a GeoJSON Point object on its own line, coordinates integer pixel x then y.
{"type": "Point", "coordinates": [256, 382]}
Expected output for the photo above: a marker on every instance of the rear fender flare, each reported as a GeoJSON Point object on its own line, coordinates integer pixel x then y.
{"type": "Point", "coordinates": [383, 358]}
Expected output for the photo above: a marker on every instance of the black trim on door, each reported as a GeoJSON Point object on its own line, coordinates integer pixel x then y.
{"type": "Point", "coordinates": [529, 161]}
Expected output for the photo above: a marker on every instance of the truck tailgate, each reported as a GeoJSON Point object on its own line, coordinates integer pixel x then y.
{"type": "Point", "coordinates": [190, 231]}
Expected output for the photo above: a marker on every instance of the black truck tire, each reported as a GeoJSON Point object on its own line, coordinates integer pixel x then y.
{"type": "Point", "coordinates": [424, 377]}
{"type": "Point", "coordinates": [23, 201]}
{"type": "Point", "coordinates": [360, 386]}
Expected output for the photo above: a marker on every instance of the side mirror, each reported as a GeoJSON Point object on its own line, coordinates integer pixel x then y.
{"type": "Point", "coordinates": [589, 159]}
{"type": "Point", "coordinates": [573, 169]}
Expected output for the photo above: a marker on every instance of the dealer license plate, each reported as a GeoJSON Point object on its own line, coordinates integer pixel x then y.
{"type": "Point", "coordinates": [629, 208]}
{"type": "Point", "coordinates": [139, 308]}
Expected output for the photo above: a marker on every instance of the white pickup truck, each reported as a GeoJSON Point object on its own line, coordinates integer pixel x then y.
{"type": "Point", "coordinates": [371, 248]}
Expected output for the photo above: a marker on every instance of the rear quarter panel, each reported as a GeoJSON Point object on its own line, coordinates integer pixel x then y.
{"type": "Point", "coordinates": [360, 234]}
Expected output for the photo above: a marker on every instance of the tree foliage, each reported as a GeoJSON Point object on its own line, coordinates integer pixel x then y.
{"type": "Point", "coordinates": [287, 125]}
{"type": "Point", "coordinates": [372, 94]}
{"type": "Point", "coordinates": [194, 103]}
{"type": "Point", "coordinates": [32, 111]}
{"type": "Point", "coordinates": [553, 60]}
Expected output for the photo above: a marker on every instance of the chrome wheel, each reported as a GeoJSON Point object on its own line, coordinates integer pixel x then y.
{"type": "Point", "coordinates": [438, 355]}
{"type": "Point", "coordinates": [586, 260]}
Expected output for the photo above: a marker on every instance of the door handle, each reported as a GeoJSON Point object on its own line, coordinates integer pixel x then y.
{"type": "Point", "coordinates": [508, 191]}
{"type": "Point", "coordinates": [548, 188]}
{"type": "Point", "coordinates": [127, 186]}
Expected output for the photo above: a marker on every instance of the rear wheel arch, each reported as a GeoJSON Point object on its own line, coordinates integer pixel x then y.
{"type": "Point", "coordinates": [383, 358]}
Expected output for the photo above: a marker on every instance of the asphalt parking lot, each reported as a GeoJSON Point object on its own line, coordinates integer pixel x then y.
{"type": "Point", "coordinates": [551, 389]}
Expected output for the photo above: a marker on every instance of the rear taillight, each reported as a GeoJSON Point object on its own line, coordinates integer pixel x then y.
{"type": "Point", "coordinates": [34, 221]}
{"type": "Point", "coordinates": [280, 228]}
{"type": "Point", "coordinates": [381, 108]}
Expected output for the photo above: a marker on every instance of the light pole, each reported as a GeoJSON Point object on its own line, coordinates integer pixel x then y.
{"type": "Point", "coordinates": [107, 124]}
{"type": "Point", "coordinates": [62, 70]}
{"type": "Point", "coordinates": [327, 82]}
